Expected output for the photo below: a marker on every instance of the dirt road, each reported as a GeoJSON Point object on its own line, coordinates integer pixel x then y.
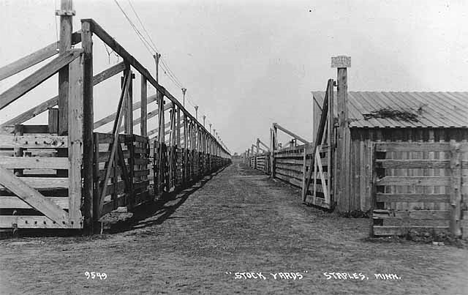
{"type": "Point", "coordinates": [237, 222]}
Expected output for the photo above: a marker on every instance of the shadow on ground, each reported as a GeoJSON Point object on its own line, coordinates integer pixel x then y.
{"type": "Point", "coordinates": [159, 211]}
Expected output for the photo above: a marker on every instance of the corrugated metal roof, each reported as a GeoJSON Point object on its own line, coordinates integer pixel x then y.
{"type": "Point", "coordinates": [421, 109]}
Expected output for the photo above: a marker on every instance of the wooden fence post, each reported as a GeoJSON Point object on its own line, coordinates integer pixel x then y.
{"type": "Point", "coordinates": [88, 126]}
{"type": "Point", "coordinates": [144, 107]}
{"type": "Point", "coordinates": [455, 189]}
{"type": "Point", "coordinates": [66, 29]}
{"type": "Point", "coordinates": [343, 144]}
{"type": "Point", "coordinates": [75, 140]}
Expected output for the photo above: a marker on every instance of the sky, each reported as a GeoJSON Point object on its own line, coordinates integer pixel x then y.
{"type": "Point", "coordinates": [248, 64]}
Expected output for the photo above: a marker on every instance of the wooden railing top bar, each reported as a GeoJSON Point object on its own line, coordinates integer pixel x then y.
{"type": "Point", "coordinates": [112, 43]}
{"type": "Point", "coordinates": [276, 125]}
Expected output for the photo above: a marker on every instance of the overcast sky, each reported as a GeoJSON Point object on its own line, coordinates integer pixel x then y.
{"type": "Point", "coordinates": [248, 64]}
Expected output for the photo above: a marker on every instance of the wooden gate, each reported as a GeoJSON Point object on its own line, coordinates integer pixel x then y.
{"type": "Point", "coordinates": [414, 192]}
{"type": "Point", "coordinates": [321, 158]}
{"type": "Point", "coordinates": [37, 188]}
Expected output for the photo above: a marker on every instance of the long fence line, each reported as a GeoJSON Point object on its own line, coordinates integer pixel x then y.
{"type": "Point", "coordinates": [64, 175]}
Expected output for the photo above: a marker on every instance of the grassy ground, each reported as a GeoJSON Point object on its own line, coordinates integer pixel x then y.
{"type": "Point", "coordinates": [202, 240]}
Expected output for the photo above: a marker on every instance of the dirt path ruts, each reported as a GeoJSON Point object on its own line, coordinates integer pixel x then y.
{"type": "Point", "coordinates": [239, 221]}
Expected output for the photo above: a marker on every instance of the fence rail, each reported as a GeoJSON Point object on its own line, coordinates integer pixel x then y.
{"type": "Point", "coordinates": [413, 192]}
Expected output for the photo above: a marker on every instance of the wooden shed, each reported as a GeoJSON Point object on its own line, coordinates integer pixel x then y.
{"type": "Point", "coordinates": [397, 117]}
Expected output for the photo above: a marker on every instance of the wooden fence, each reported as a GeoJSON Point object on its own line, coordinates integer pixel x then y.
{"type": "Point", "coordinates": [413, 192]}
{"type": "Point", "coordinates": [64, 174]}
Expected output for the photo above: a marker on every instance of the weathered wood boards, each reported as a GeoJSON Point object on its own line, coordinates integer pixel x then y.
{"type": "Point", "coordinates": [399, 204]}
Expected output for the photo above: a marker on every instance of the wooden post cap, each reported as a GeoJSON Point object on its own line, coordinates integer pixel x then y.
{"type": "Point", "coordinates": [341, 61]}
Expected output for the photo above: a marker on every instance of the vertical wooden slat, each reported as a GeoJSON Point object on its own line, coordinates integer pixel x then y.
{"type": "Point", "coordinates": [75, 139]}
{"type": "Point", "coordinates": [161, 141]}
{"type": "Point", "coordinates": [96, 213]}
{"type": "Point", "coordinates": [53, 120]}
{"type": "Point", "coordinates": [144, 107]}
{"type": "Point", "coordinates": [455, 193]}
{"type": "Point", "coordinates": [18, 151]}
{"type": "Point", "coordinates": [88, 125]}
{"type": "Point", "coordinates": [66, 30]}
{"type": "Point", "coordinates": [128, 107]}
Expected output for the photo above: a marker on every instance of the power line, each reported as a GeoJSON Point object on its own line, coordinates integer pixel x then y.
{"type": "Point", "coordinates": [141, 23]}
{"type": "Point", "coordinates": [143, 40]}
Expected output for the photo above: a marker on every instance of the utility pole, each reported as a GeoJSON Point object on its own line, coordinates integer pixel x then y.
{"type": "Point", "coordinates": [183, 95]}
{"type": "Point", "coordinates": [66, 14]}
{"type": "Point", "coordinates": [157, 56]}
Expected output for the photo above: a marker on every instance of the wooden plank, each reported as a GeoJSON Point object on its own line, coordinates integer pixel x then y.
{"type": "Point", "coordinates": [412, 214]}
{"type": "Point", "coordinates": [34, 163]}
{"type": "Point", "coordinates": [75, 138]}
{"type": "Point", "coordinates": [36, 78]}
{"type": "Point", "coordinates": [115, 141]}
{"type": "Point", "coordinates": [28, 61]}
{"type": "Point", "coordinates": [104, 156]}
{"type": "Point", "coordinates": [438, 198]}
{"type": "Point", "coordinates": [144, 107]}
{"type": "Point", "coordinates": [290, 133]}
{"type": "Point", "coordinates": [42, 183]}
{"type": "Point", "coordinates": [128, 107]}
{"type": "Point", "coordinates": [13, 202]}
{"type": "Point", "coordinates": [38, 141]}
{"type": "Point", "coordinates": [289, 180]}
{"type": "Point", "coordinates": [88, 124]}
{"type": "Point", "coordinates": [53, 121]}
{"type": "Point", "coordinates": [323, 179]}
{"type": "Point", "coordinates": [413, 146]}
{"type": "Point", "coordinates": [415, 180]}
{"type": "Point", "coordinates": [26, 129]}
{"type": "Point", "coordinates": [398, 230]}
{"type": "Point", "coordinates": [32, 222]}
{"type": "Point", "coordinates": [31, 196]}
{"type": "Point", "coordinates": [455, 189]}
{"type": "Point", "coordinates": [412, 164]}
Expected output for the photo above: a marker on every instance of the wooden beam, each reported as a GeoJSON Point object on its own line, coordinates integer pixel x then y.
{"type": "Point", "coordinates": [128, 107]}
{"type": "Point", "coordinates": [88, 124]}
{"type": "Point", "coordinates": [53, 121]}
{"type": "Point", "coordinates": [32, 197]}
{"type": "Point", "coordinates": [66, 30]}
{"type": "Point", "coordinates": [261, 142]}
{"type": "Point", "coordinates": [40, 108]}
{"type": "Point", "coordinates": [37, 77]}
{"type": "Point", "coordinates": [28, 61]}
{"type": "Point", "coordinates": [115, 141]}
{"type": "Point", "coordinates": [144, 107]}
{"type": "Point", "coordinates": [75, 139]}
{"type": "Point", "coordinates": [290, 133]}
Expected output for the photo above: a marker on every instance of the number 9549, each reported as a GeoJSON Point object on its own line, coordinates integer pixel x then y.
{"type": "Point", "coordinates": [94, 275]}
